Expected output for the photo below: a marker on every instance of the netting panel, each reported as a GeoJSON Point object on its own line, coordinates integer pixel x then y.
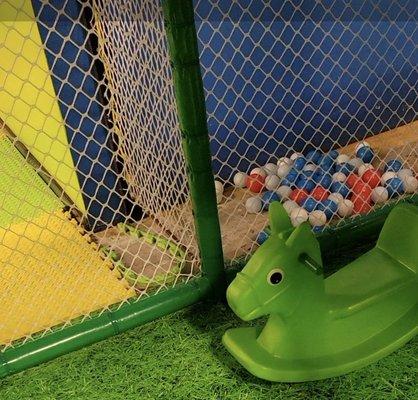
{"type": "Point", "coordinates": [296, 76]}
{"type": "Point", "coordinates": [88, 115]}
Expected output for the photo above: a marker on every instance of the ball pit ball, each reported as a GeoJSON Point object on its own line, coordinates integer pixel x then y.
{"type": "Point", "coordinates": [270, 169]}
{"type": "Point", "coordinates": [393, 165]}
{"type": "Point", "coordinates": [363, 168]}
{"type": "Point", "coordinates": [394, 187]}
{"type": "Point", "coordinates": [339, 177]}
{"type": "Point", "coordinates": [345, 208]}
{"type": "Point", "coordinates": [255, 183]}
{"type": "Point", "coordinates": [365, 153]}
{"type": "Point", "coordinates": [290, 205]}
{"type": "Point", "coordinates": [410, 184]}
{"type": "Point", "coordinates": [268, 197]}
{"type": "Point", "coordinates": [283, 170]}
{"type": "Point", "coordinates": [379, 195]}
{"type": "Point", "coordinates": [336, 197]}
{"type": "Point", "coordinates": [298, 216]}
{"type": "Point", "coordinates": [352, 180]}
{"type": "Point", "coordinates": [284, 161]}
{"type": "Point", "coordinates": [325, 180]}
{"type": "Point", "coordinates": [253, 205]}
{"type": "Point", "coordinates": [240, 179]}
{"type": "Point", "coordinates": [310, 204]}
{"type": "Point", "coordinates": [344, 168]}
{"type": "Point", "coordinates": [329, 207]}
{"type": "Point", "coordinates": [299, 195]}
{"type": "Point", "coordinates": [341, 188]}
{"type": "Point", "coordinates": [334, 154]}
{"type": "Point", "coordinates": [342, 159]}
{"type": "Point", "coordinates": [305, 183]}
{"type": "Point", "coordinates": [314, 156]}
{"type": "Point", "coordinates": [386, 176]}
{"type": "Point", "coordinates": [317, 218]}
{"type": "Point", "coordinates": [360, 205]}
{"type": "Point", "coordinates": [292, 176]}
{"type": "Point", "coordinates": [294, 156]}
{"type": "Point", "coordinates": [309, 167]}
{"type": "Point", "coordinates": [219, 187]}
{"type": "Point", "coordinates": [258, 171]}
{"type": "Point", "coordinates": [320, 193]}
{"type": "Point", "coordinates": [299, 163]}
{"type": "Point", "coordinates": [272, 182]}
{"type": "Point", "coordinates": [318, 229]}
{"type": "Point", "coordinates": [262, 237]}
{"type": "Point", "coordinates": [284, 191]}
{"type": "Point", "coordinates": [372, 177]}
{"type": "Point", "coordinates": [356, 163]}
{"type": "Point", "coordinates": [361, 144]}
{"type": "Point", "coordinates": [326, 162]}
{"type": "Point", "coordinates": [362, 190]}
{"type": "Point", "coordinates": [403, 173]}
{"type": "Point", "coordinates": [219, 197]}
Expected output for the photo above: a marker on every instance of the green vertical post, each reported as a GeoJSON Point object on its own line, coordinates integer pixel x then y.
{"type": "Point", "coordinates": [188, 86]}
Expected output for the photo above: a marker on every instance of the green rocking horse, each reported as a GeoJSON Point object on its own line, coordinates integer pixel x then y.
{"type": "Point", "coordinates": [319, 328]}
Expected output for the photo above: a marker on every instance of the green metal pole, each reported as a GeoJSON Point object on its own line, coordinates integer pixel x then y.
{"type": "Point", "coordinates": [184, 55]}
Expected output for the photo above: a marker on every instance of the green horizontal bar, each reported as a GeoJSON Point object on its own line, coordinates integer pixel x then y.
{"type": "Point", "coordinates": [109, 323]}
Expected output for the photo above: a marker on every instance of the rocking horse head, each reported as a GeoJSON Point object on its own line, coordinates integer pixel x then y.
{"type": "Point", "coordinates": [284, 269]}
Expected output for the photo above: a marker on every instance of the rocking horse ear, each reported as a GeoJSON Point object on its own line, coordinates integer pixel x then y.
{"type": "Point", "coordinates": [303, 241]}
{"type": "Point", "coordinates": [279, 220]}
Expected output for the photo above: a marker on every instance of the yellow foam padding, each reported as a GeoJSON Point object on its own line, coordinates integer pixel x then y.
{"type": "Point", "coordinates": [28, 103]}
{"type": "Point", "coordinates": [50, 274]}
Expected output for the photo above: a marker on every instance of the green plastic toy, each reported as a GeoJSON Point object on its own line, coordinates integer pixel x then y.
{"type": "Point", "coordinates": [319, 328]}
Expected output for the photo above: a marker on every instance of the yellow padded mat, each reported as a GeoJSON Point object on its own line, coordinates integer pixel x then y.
{"type": "Point", "coordinates": [50, 274]}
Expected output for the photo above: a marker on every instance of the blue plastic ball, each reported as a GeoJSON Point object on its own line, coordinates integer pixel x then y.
{"type": "Point", "coordinates": [307, 174]}
{"type": "Point", "coordinates": [394, 187]}
{"type": "Point", "coordinates": [262, 237]}
{"type": "Point", "coordinates": [310, 204]}
{"type": "Point", "coordinates": [345, 168]}
{"type": "Point", "coordinates": [314, 156]}
{"type": "Point", "coordinates": [318, 229]}
{"type": "Point", "coordinates": [305, 183]}
{"type": "Point", "coordinates": [329, 207]}
{"type": "Point", "coordinates": [341, 188]}
{"type": "Point", "coordinates": [334, 154]}
{"type": "Point", "coordinates": [325, 180]}
{"type": "Point", "coordinates": [288, 182]}
{"type": "Point", "coordinates": [326, 161]}
{"type": "Point", "coordinates": [365, 153]}
{"type": "Point", "coordinates": [393, 165]}
{"type": "Point", "coordinates": [268, 197]}
{"type": "Point", "coordinates": [299, 163]}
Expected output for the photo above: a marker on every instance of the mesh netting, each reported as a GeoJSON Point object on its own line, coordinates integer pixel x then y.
{"type": "Point", "coordinates": [307, 77]}
{"type": "Point", "coordinates": [93, 176]}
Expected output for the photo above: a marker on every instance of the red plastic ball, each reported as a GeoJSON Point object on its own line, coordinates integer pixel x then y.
{"type": "Point", "coordinates": [363, 190]}
{"type": "Point", "coordinates": [361, 206]}
{"type": "Point", "coordinates": [352, 179]}
{"type": "Point", "coordinates": [372, 177]}
{"type": "Point", "coordinates": [255, 183]}
{"type": "Point", "coordinates": [320, 193]}
{"type": "Point", "coordinates": [299, 195]}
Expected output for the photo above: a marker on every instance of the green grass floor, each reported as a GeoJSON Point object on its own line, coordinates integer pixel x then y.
{"type": "Point", "coordinates": [181, 357]}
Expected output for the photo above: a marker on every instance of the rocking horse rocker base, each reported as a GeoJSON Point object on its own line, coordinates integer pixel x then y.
{"type": "Point", "coordinates": [320, 328]}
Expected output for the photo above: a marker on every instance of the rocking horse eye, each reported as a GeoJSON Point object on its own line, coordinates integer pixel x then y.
{"type": "Point", "coordinates": [275, 276]}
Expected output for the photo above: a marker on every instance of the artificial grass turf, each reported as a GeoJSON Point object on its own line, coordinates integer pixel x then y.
{"type": "Point", "coordinates": [181, 357]}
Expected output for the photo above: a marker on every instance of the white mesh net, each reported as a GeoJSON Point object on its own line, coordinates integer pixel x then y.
{"type": "Point", "coordinates": [302, 77]}
{"type": "Point", "coordinates": [88, 123]}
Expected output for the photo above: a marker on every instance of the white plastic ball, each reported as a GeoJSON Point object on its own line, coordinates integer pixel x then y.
{"type": "Point", "coordinates": [219, 187]}
{"type": "Point", "coordinates": [336, 197]}
{"type": "Point", "coordinates": [272, 182]}
{"type": "Point", "coordinates": [240, 179]}
{"type": "Point", "coordinates": [253, 205]}
{"type": "Point", "coordinates": [339, 177]}
{"type": "Point", "coordinates": [310, 167]}
{"type": "Point", "coordinates": [283, 170]}
{"type": "Point", "coordinates": [342, 158]}
{"type": "Point", "coordinates": [379, 195]}
{"type": "Point", "coordinates": [298, 216]}
{"type": "Point", "coordinates": [219, 196]}
{"type": "Point", "coordinates": [290, 205]}
{"type": "Point", "coordinates": [270, 169]}
{"type": "Point", "coordinates": [356, 163]}
{"type": "Point", "coordinates": [363, 168]}
{"type": "Point", "coordinates": [410, 184]}
{"type": "Point", "coordinates": [403, 173]}
{"type": "Point", "coordinates": [294, 156]}
{"type": "Point", "coordinates": [362, 144]}
{"type": "Point", "coordinates": [386, 176]}
{"type": "Point", "coordinates": [317, 218]}
{"type": "Point", "coordinates": [258, 171]}
{"type": "Point", "coordinates": [345, 208]}
{"type": "Point", "coordinates": [284, 160]}
{"type": "Point", "coordinates": [284, 191]}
